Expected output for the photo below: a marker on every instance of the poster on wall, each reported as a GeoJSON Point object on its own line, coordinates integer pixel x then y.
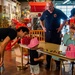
{"type": "Point", "coordinates": [13, 9]}
{"type": "Point", "coordinates": [6, 9]}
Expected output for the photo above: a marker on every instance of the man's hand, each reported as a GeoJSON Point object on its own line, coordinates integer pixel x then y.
{"type": "Point", "coordinates": [59, 29]}
{"type": "Point", "coordinates": [61, 26]}
{"type": "Point", "coordinates": [44, 29]}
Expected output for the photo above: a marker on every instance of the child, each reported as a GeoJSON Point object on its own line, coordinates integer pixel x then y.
{"type": "Point", "coordinates": [34, 59]}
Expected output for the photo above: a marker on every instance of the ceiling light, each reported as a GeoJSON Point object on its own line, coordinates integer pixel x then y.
{"type": "Point", "coordinates": [66, 1]}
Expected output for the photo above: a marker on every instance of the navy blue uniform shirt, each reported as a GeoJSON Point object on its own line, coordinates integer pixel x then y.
{"type": "Point", "coordinates": [52, 20]}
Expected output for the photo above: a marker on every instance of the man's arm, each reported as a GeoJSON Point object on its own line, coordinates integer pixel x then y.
{"type": "Point", "coordinates": [61, 26]}
{"type": "Point", "coordinates": [3, 45]}
{"type": "Point", "coordinates": [42, 25]}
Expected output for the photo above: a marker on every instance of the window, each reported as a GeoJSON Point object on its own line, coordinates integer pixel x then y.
{"type": "Point", "coordinates": [66, 9]}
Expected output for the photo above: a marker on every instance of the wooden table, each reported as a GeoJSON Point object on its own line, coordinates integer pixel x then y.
{"type": "Point", "coordinates": [49, 47]}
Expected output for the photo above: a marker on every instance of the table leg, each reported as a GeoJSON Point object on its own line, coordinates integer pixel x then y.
{"type": "Point", "coordinates": [51, 64]}
{"type": "Point", "coordinates": [72, 68]}
{"type": "Point", "coordinates": [60, 73]}
{"type": "Point", "coordinates": [62, 68]}
{"type": "Point", "coordinates": [21, 67]}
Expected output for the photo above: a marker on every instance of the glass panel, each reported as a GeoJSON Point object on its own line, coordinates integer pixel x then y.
{"type": "Point", "coordinates": [66, 9]}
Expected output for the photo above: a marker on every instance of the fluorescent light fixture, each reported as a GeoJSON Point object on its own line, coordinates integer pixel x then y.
{"type": "Point", "coordinates": [66, 1]}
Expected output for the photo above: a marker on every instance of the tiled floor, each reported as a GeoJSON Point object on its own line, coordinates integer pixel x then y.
{"type": "Point", "coordinates": [11, 69]}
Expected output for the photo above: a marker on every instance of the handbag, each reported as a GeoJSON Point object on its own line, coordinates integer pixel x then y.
{"type": "Point", "coordinates": [70, 51]}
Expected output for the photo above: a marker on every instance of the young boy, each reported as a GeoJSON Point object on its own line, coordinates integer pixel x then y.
{"type": "Point", "coordinates": [34, 58]}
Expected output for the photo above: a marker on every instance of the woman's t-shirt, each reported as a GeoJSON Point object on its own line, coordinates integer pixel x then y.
{"type": "Point", "coordinates": [4, 32]}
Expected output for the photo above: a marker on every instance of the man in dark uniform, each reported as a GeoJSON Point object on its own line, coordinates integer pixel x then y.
{"type": "Point", "coordinates": [7, 34]}
{"type": "Point", "coordinates": [50, 22]}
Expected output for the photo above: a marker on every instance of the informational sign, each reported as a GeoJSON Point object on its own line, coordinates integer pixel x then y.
{"type": "Point", "coordinates": [34, 6]}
